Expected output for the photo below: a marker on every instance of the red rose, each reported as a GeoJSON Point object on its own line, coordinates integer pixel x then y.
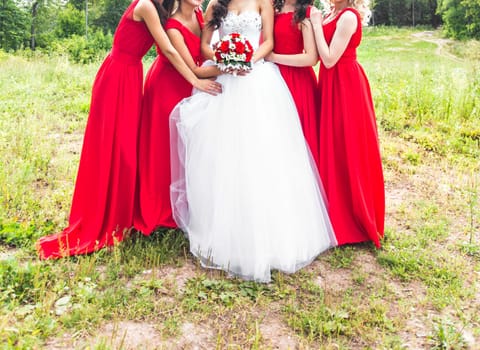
{"type": "Point", "coordinates": [218, 56]}
{"type": "Point", "coordinates": [224, 46]}
{"type": "Point", "coordinates": [235, 35]}
{"type": "Point", "coordinates": [239, 47]}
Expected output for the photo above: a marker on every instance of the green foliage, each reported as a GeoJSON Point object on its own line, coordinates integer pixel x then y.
{"type": "Point", "coordinates": [317, 319]}
{"type": "Point", "coordinates": [14, 23]}
{"type": "Point", "coordinates": [342, 257]}
{"type": "Point", "coordinates": [162, 246]}
{"type": "Point", "coordinates": [461, 18]}
{"type": "Point", "coordinates": [453, 14]}
{"type": "Point", "coordinates": [70, 22]}
{"type": "Point", "coordinates": [421, 256]}
{"type": "Point", "coordinates": [110, 14]}
{"type": "Point", "coordinates": [22, 235]}
{"type": "Point", "coordinates": [431, 100]}
{"type": "Point", "coordinates": [447, 337]}
{"type": "Point", "coordinates": [82, 50]}
{"type": "Point", "coordinates": [202, 290]}
{"type": "Point", "coordinates": [472, 17]}
{"type": "Point", "coordinates": [54, 26]}
{"type": "Point", "coordinates": [21, 283]}
{"type": "Point", "coordinates": [44, 15]}
{"type": "Point", "coordinates": [78, 4]}
{"type": "Point", "coordinates": [405, 13]}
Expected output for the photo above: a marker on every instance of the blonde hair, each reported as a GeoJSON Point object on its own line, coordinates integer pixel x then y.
{"type": "Point", "coordinates": [363, 7]}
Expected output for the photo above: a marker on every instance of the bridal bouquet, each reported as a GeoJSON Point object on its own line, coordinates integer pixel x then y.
{"type": "Point", "coordinates": [233, 52]}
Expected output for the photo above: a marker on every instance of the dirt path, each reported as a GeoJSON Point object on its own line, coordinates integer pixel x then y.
{"type": "Point", "coordinates": [431, 37]}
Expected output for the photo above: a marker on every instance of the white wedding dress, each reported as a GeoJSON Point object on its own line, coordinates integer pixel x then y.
{"type": "Point", "coordinates": [244, 186]}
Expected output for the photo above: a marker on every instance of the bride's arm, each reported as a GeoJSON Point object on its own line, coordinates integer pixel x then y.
{"type": "Point", "coordinates": [266, 11]}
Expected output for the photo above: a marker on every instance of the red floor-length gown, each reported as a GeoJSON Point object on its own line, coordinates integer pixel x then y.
{"type": "Point", "coordinates": [301, 81]}
{"type": "Point", "coordinates": [164, 88]}
{"type": "Point", "coordinates": [103, 200]}
{"type": "Point", "coordinates": [350, 162]}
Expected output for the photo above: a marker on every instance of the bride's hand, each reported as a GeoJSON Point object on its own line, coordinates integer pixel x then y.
{"type": "Point", "coordinates": [237, 72]}
{"type": "Point", "coordinates": [209, 86]}
{"type": "Point", "coordinates": [243, 72]}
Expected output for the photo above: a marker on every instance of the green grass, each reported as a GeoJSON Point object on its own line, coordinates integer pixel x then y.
{"type": "Point", "coordinates": [419, 291]}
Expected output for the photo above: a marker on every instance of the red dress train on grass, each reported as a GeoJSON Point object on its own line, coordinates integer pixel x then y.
{"type": "Point", "coordinates": [301, 81]}
{"type": "Point", "coordinates": [164, 88]}
{"type": "Point", "coordinates": [350, 162]}
{"type": "Point", "coordinates": [103, 200]}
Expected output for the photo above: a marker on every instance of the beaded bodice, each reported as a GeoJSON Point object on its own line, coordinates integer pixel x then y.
{"type": "Point", "coordinates": [247, 23]}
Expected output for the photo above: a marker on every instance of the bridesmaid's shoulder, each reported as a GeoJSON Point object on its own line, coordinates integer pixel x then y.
{"type": "Point", "coordinates": [351, 12]}
{"type": "Point", "coordinates": [349, 17]}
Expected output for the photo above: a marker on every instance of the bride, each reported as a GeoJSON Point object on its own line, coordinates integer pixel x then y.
{"type": "Point", "coordinates": [244, 186]}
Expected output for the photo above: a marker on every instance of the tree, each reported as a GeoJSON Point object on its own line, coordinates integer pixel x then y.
{"type": "Point", "coordinates": [454, 15]}
{"type": "Point", "coordinates": [472, 18]}
{"type": "Point", "coordinates": [43, 18]}
{"type": "Point", "coordinates": [110, 15]}
{"type": "Point", "coordinates": [406, 12]}
{"type": "Point", "coordinates": [13, 25]}
{"type": "Point", "coordinates": [70, 22]}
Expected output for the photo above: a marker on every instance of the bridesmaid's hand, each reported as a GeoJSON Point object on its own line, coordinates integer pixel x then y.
{"type": "Point", "coordinates": [208, 86]}
{"type": "Point", "coordinates": [316, 17]}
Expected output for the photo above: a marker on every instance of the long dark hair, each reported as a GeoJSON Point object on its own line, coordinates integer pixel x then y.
{"type": "Point", "coordinates": [164, 9]}
{"type": "Point", "coordinates": [219, 11]}
{"type": "Point", "coordinates": [301, 7]}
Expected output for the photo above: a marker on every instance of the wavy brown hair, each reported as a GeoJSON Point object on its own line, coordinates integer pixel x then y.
{"type": "Point", "coordinates": [219, 11]}
{"type": "Point", "coordinates": [164, 9]}
{"type": "Point", "coordinates": [301, 7]}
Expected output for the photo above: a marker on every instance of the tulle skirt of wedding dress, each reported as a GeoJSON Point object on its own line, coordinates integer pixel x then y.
{"type": "Point", "coordinates": [244, 188]}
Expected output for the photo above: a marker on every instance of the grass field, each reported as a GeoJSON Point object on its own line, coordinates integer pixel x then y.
{"type": "Point", "coordinates": [420, 291]}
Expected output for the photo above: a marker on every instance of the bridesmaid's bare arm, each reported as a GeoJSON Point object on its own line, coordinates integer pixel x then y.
{"type": "Point", "coordinates": [145, 11]}
{"type": "Point", "coordinates": [178, 43]}
{"type": "Point", "coordinates": [266, 11]}
{"type": "Point", "coordinates": [346, 26]}
{"type": "Point", "coordinates": [308, 58]}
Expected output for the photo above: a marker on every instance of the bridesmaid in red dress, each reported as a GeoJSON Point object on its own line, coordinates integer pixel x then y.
{"type": "Point", "coordinates": [152, 206]}
{"type": "Point", "coordinates": [295, 53]}
{"type": "Point", "coordinates": [102, 207]}
{"type": "Point", "coordinates": [350, 162]}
